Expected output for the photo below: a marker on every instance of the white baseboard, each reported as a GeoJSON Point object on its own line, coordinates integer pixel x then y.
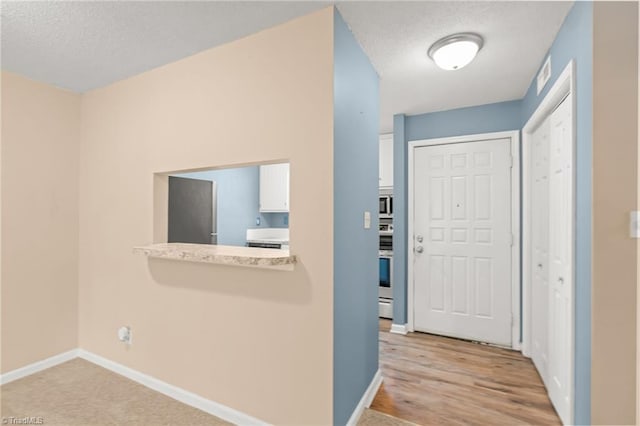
{"type": "Point", "coordinates": [37, 366]}
{"type": "Point", "coordinates": [399, 328]}
{"type": "Point", "coordinates": [367, 398]}
{"type": "Point", "coordinates": [186, 397]}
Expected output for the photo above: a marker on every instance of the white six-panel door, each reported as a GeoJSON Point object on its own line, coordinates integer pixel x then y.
{"type": "Point", "coordinates": [462, 240]}
{"type": "Point", "coordinates": [560, 260]}
{"type": "Point", "coordinates": [540, 247]}
{"type": "Point", "coordinates": [551, 237]}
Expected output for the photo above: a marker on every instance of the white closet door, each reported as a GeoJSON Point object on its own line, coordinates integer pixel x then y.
{"type": "Point", "coordinates": [540, 248]}
{"type": "Point", "coordinates": [560, 376]}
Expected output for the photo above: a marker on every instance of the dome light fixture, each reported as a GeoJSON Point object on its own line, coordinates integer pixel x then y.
{"type": "Point", "coordinates": [455, 51]}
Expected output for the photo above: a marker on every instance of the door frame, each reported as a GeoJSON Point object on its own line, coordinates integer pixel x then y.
{"type": "Point", "coordinates": [563, 86]}
{"type": "Point", "coordinates": [560, 89]}
{"type": "Point", "coordinates": [514, 136]}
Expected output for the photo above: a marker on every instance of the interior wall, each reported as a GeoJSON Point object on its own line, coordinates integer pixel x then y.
{"type": "Point", "coordinates": [498, 117]}
{"type": "Point", "coordinates": [615, 166]}
{"type": "Point", "coordinates": [574, 42]}
{"type": "Point", "coordinates": [258, 341]}
{"type": "Point", "coordinates": [1, 78]}
{"type": "Point", "coordinates": [400, 218]}
{"type": "Point", "coordinates": [355, 183]}
{"type": "Point", "coordinates": [40, 154]}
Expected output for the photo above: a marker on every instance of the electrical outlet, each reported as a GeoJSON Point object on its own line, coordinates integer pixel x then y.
{"type": "Point", "coordinates": [258, 221]}
{"type": "Point", "coordinates": [125, 335]}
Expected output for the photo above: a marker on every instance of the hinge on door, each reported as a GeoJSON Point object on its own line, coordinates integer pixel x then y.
{"type": "Point", "coordinates": [512, 161]}
{"type": "Point", "coordinates": [513, 239]}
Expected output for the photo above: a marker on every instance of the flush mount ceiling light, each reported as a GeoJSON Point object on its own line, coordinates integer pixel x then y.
{"type": "Point", "coordinates": [455, 51]}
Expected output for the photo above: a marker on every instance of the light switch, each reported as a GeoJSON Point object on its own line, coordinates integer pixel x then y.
{"type": "Point", "coordinates": [367, 220]}
{"type": "Point", "coordinates": [634, 224]}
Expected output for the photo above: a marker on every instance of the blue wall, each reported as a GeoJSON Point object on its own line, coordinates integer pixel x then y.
{"type": "Point", "coordinates": [400, 218]}
{"type": "Point", "coordinates": [497, 117]}
{"type": "Point", "coordinates": [464, 121]}
{"type": "Point", "coordinates": [574, 41]}
{"type": "Point", "coordinates": [355, 261]}
{"type": "Point", "coordinates": [238, 203]}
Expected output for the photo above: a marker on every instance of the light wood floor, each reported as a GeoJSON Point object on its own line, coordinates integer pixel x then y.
{"type": "Point", "coordinates": [434, 380]}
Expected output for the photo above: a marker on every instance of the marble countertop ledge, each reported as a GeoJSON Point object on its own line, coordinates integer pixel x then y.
{"type": "Point", "coordinates": [222, 255]}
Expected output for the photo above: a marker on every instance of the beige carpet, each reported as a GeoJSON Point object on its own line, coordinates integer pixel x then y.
{"type": "Point", "coordinates": [81, 393]}
{"type": "Point", "coordinates": [78, 392]}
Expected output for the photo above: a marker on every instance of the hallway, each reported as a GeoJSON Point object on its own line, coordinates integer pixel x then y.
{"type": "Point", "coordinates": [433, 380]}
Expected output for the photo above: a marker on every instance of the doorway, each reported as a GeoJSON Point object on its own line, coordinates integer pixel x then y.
{"type": "Point", "coordinates": [192, 214]}
{"type": "Point", "coordinates": [464, 227]}
{"type": "Point", "coordinates": [548, 242]}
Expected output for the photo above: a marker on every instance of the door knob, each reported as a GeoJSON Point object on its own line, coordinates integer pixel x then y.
{"type": "Point", "coordinates": [419, 238]}
{"type": "Point", "coordinates": [561, 280]}
{"type": "Point", "coordinates": [539, 265]}
{"type": "Point", "coordinates": [419, 249]}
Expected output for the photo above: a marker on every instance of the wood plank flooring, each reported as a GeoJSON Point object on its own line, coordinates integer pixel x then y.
{"type": "Point", "coordinates": [434, 380]}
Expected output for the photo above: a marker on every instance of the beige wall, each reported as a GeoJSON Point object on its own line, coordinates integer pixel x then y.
{"type": "Point", "coordinates": [614, 263]}
{"type": "Point", "coordinates": [258, 341]}
{"type": "Point", "coordinates": [638, 254]}
{"type": "Point", "coordinates": [40, 146]}
{"type": "Point", "coordinates": [1, 78]}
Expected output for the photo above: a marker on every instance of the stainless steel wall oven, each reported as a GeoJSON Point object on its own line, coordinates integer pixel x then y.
{"type": "Point", "coordinates": [385, 264]}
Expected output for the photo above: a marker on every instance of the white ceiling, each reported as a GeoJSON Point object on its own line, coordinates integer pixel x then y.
{"type": "Point", "coordinates": [517, 35]}
{"type": "Point", "coordinates": [84, 45]}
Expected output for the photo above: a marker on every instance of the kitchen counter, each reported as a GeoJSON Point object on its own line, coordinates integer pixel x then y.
{"type": "Point", "coordinates": [223, 255]}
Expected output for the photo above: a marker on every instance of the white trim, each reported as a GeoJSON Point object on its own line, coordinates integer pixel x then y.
{"type": "Point", "coordinates": [564, 85]}
{"type": "Point", "coordinates": [186, 397]}
{"type": "Point", "coordinates": [526, 243]}
{"type": "Point", "coordinates": [516, 232]}
{"type": "Point", "coordinates": [515, 221]}
{"type": "Point", "coordinates": [367, 398]}
{"type": "Point", "coordinates": [399, 329]}
{"type": "Point", "coordinates": [37, 366]}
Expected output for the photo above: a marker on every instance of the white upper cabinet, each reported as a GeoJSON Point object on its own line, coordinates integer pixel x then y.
{"type": "Point", "coordinates": [386, 161]}
{"type": "Point", "coordinates": [274, 188]}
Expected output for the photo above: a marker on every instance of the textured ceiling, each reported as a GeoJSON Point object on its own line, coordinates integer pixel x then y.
{"type": "Point", "coordinates": [85, 45]}
{"type": "Point", "coordinates": [396, 36]}
{"type": "Point", "coordinates": [82, 45]}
